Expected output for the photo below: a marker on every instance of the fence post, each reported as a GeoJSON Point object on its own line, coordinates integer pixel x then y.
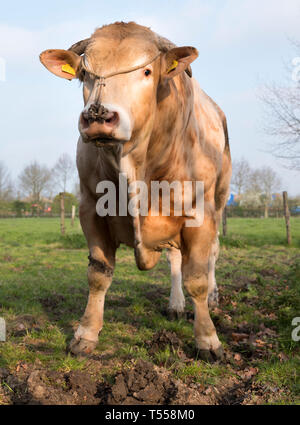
{"type": "Point", "coordinates": [224, 221]}
{"type": "Point", "coordinates": [73, 215]}
{"type": "Point", "coordinates": [287, 217]}
{"type": "Point", "coordinates": [62, 213]}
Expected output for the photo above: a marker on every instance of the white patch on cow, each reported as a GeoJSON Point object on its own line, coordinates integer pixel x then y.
{"type": "Point", "coordinates": [212, 284]}
{"type": "Point", "coordinates": [205, 342]}
{"type": "Point", "coordinates": [124, 128]}
{"type": "Point", "coordinates": [211, 274]}
{"type": "Point", "coordinates": [85, 333]}
{"type": "Point", "coordinates": [177, 301]}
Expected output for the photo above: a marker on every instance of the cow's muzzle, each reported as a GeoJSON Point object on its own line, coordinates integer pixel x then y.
{"type": "Point", "coordinates": [98, 123]}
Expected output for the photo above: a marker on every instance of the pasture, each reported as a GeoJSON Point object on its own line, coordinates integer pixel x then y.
{"type": "Point", "coordinates": [43, 292]}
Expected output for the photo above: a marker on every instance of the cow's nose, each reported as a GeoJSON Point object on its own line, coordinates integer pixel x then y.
{"type": "Point", "coordinates": [93, 129]}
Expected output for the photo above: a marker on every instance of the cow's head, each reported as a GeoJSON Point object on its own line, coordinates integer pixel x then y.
{"type": "Point", "coordinates": [124, 108]}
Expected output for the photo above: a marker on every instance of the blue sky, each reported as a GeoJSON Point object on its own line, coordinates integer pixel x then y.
{"type": "Point", "coordinates": [242, 44]}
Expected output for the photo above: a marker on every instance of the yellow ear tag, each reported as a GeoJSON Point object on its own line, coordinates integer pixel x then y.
{"type": "Point", "coordinates": [67, 68]}
{"type": "Point", "coordinates": [173, 66]}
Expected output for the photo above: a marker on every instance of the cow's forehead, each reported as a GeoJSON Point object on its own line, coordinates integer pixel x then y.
{"type": "Point", "coordinates": [104, 52]}
{"type": "Point", "coordinates": [121, 45]}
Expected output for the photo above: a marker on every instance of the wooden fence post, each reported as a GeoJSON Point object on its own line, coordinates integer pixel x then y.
{"type": "Point", "coordinates": [287, 217]}
{"type": "Point", "coordinates": [73, 215]}
{"type": "Point", "coordinates": [62, 213]}
{"type": "Point", "coordinates": [224, 221]}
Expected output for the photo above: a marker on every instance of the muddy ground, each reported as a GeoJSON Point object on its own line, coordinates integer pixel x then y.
{"type": "Point", "coordinates": [140, 382]}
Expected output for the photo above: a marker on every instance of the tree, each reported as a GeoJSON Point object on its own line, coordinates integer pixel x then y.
{"type": "Point", "coordinates": [76, 190]}
{"type": "Point", "coordinates": [69, 200]}
{"type": "Point", "coordinates": [19, 207]}
{"type": "Point", "coordinates": [63, 171]}
{"type": "Point", "coordinates": [34, 180]}
{"type": "Point", "coordinates": [6, 187]}
{"type": "Point", "coordinates": [282, 116]}
{"type": "Point", "coordinates": [240, 175]}
{"type": "Point", "coordinates": [264, 182]}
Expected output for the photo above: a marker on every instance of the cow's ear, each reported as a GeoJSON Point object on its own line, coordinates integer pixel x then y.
{"type": "Point", "coordinates": [62, 63]}
{"type": "Point", "coordinates": [178, 60]}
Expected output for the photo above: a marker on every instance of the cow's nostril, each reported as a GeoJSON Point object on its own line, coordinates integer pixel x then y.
{"type": "Point", "coordinates": [112, 118]}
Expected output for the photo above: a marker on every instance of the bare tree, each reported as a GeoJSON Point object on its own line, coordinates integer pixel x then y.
{"type": "Point", "coordinates": [63, 171]}
{"type": "Point", "coordinates": [264, 182]}
{"type": "Point", "coordinates": [76, 190]}
{"type": "Point", "coordinates": [282, 116]}
{"type": "Point", "coordinates": [34, 180]}
{"type": "Point", "coordinates": [240, 175]}
{"type": "Point", "coordinates": [6, 187]}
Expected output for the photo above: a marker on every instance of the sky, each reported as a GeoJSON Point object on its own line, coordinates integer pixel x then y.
{"type": "Point", "coordinates": [243, 44]}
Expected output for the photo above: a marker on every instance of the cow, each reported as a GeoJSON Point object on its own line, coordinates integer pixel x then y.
{"type": "Point", "coordinates": [147, 118]}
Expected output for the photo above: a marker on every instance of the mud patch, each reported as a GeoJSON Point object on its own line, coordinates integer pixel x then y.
{"type": "Point", "coordinates": [148, 384]}
{"type": "Point", "coordinates": [156, 294]}
{"type": "Point", "coordinates": [166, 340]}
{"type": "Point", "coordinates": [49, 387]}
{"type": "Point", "coordinates": [245, 392]}
{"type": "Point", "coordinates": [143, 383]}
{"type": "Point", "coordinates": [161, 340]}
{"type": "Point", "coordinates": [53, 304]}
{"type": "Point", "coordinates": [139, 383]}
{"type": "Point", "coordinates": [23, 324]}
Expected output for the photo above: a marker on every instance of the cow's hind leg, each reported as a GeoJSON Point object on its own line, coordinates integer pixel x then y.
{"type": "Point", "coordinates": [213, 293]}
{"type": "Point", "coordinates": [197, 245]}
{"type": "Point", "coordinates": [177, 301]}
{"type": "Point", "coordinates": [100, 271]}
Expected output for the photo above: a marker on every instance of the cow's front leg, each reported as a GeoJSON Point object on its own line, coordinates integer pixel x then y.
{"type": "Point", "coordinates": [196, 252]}
{"type": "Point", "coordinates": [86, 336]}
{"type": "Point", "coordinates": [100, 272]}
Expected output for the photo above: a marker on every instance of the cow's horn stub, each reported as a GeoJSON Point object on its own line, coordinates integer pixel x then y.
{"type": "Point", "coordinates": [80, 46]}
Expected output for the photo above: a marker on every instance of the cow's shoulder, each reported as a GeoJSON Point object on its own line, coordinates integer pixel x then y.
{"type": "Point", "coordinates": [210, 117]}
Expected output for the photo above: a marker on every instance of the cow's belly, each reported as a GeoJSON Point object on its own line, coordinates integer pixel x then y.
{"type": "Point", "coordinates": [156, 232]}
{"type": "Point", "coordinates": [161, 232]}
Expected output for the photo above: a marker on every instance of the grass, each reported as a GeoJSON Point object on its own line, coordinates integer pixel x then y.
{"type": "Point", "coordinates": [243, 232]}
{"type": "Point", "coordinates": [43, 289]}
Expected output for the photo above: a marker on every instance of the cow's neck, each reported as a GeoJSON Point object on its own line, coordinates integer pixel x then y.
{"type": "Point", "coordinates": [169, 143]}
{"type": "Point", "coordinates": [153, 158]}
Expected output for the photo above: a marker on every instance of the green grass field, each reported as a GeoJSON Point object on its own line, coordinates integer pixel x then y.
{"type": "Point", "coordinates": [43, 293]}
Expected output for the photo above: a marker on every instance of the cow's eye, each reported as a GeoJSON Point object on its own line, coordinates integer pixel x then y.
{"type": "Point", "coordinates": [147, 72]}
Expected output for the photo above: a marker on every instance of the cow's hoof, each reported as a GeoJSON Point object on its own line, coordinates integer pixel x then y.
{"type": "Point", "coordinates": [82, 347]}
{"type": "Point", "coordinates": [211, 356]}
{"type": "Point", "coordinates": [213, 298]}
{"type": "Point", "coordinates": [175, 315]}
